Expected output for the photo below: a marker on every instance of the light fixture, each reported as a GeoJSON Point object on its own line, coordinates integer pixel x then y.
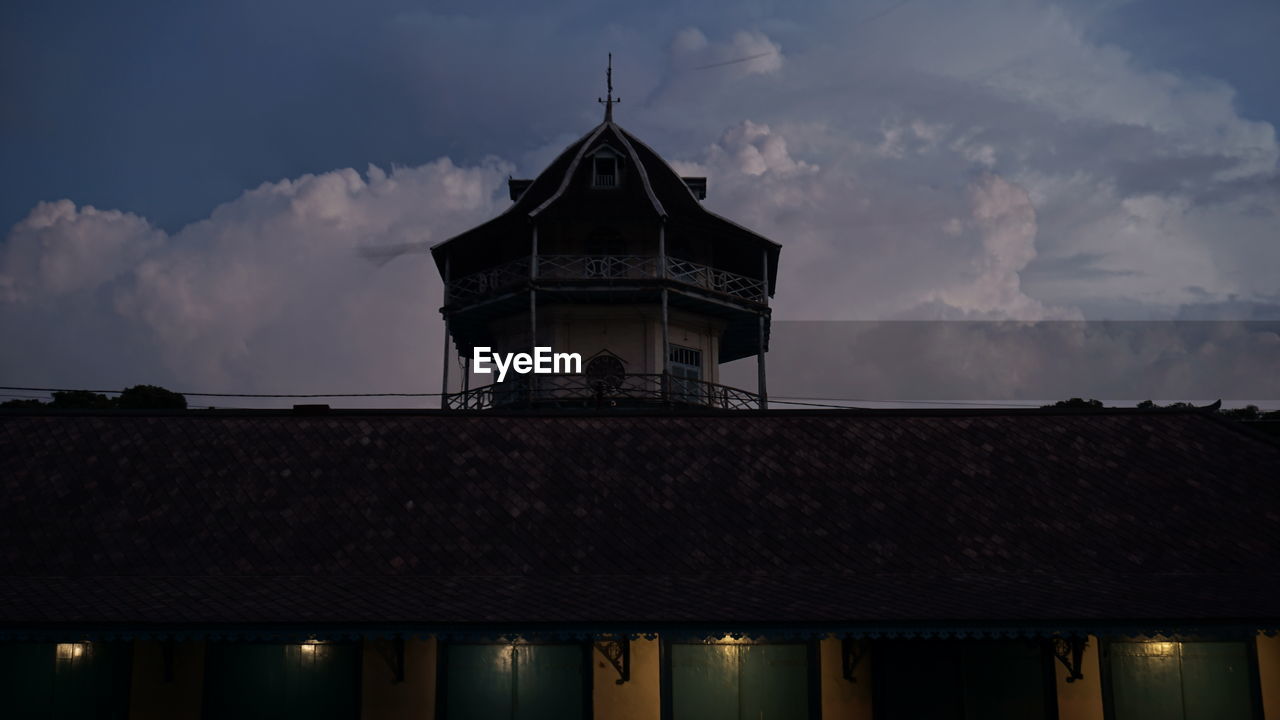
{"type": "Point", "coordinates": [70, 651]}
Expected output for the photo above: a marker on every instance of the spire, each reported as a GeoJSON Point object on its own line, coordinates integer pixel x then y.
{"type": "Point", "coordinates": [609, 100]}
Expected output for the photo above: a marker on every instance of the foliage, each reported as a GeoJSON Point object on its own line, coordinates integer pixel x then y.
{"type": "Point", "coordinates": [150, 397]}
{"type": "Point", "coordinates": [138, 397]}
{"type": "Point", "coordinates": [1076, 403]}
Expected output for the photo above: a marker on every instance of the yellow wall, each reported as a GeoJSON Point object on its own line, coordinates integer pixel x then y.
{"type": "Point", "coordinates": [1269, 673]}
{"type": "Point", "coordinates": [637, 699]}
{"type": "Point", "coordinates": [841, 698]}
{"type": "Point", "coordinates": [384, 699]}
{"type": "Point", "coordinates": [1081, 699]}
{"type": "Point", "coordinates": [152, 697]}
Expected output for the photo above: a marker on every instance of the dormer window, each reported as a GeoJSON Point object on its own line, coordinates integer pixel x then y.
{"type": "Point", "coordinates": [605, 169]}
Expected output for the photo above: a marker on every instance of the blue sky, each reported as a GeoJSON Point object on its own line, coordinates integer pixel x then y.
{"type": "Point", "coordinates": [170, 167]}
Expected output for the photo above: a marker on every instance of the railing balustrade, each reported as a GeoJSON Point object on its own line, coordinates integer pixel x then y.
{"type": "Point", "coordinates": [578, 390]}
{"type": "Point", "coordinates": [500, 277]}
{"type": "Point", "coordinates": [605, 267]}
{"type": "Point", "coordinates": [591, 267]}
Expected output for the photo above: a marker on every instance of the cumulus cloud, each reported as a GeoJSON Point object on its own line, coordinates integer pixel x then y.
{"type": "Point", "coordinates": [267, 294]}
{"type": "Point", "coordinates": [1005, 219]}
{"type": "Point", "coordinates": [748, 52]}
{"type": "Point", "coordinates": [59, 249]}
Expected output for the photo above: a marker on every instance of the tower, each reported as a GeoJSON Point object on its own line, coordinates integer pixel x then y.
{"type": "Point", "coordinates": [609, 253]}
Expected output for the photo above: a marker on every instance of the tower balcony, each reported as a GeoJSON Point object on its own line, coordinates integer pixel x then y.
{"type": "Point", "coordinates": [574, 269]}
{"type": "Point", "coordinates": [630, 390]}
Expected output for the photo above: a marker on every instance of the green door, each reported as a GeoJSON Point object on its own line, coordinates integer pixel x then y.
{"type": "Point", "coordinates": [1216, 681]}
{"type": "Point", "coordinates": [1003, 680]}
{"type": "Point", "coordinates": [278, 682]}
{"type": "Point", "coordinates": [520, 682]}
{"type": "Point", "coordinates": [739, 681]}
{"type": "Point", "coordinates": [1181, 681]}
{"type": "Point", "coordinates": [65, 682]}
{"type": "Point", "coordinates": [960, 680]}
{"type": "Point", "coordinates": [917, 679]}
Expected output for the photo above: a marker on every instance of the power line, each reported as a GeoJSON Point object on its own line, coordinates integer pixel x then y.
{"type": "Point", "coordinates": [821, 402]}
{"type": "Point", "coordinates": [233, 395]}
{"type": "Point", "coordinates": [781, 398]}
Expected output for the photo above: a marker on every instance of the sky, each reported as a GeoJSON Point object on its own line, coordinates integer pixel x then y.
{"type": "Point", "coordinates": [186, 185]}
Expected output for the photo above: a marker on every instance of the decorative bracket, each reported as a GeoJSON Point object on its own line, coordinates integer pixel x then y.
{"type": "Point", "coordinates": [393, 654]}
{"type": "Point", "coordinates": [617, 650]}
{"type": "Point", "coordinates": [851, 653]}
{"type": "Point", "coordinates": [397, 655]}
{"type": "Point", "coordinates": [1070, 652]}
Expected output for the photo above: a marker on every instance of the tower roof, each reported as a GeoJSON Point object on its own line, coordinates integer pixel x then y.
{"type": "Point", "coordinates": [656, 193]}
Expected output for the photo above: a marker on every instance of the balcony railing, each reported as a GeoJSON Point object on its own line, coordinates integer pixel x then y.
{"type": "Point", "coordinates": [605, 267]}
{"type": "Point", "coordinates": [580, 391]}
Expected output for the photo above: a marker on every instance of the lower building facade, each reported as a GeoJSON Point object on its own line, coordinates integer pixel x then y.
{"type": "Point", "coordinates": [1220, 677]}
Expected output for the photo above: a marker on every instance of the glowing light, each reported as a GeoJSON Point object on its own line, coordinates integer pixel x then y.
{"type": "Point", "coordinates": [70, 651]}
{"type": "Point", "coordinates": [1163, 648]}
{"type": "Point", "coordinates": [309, 648]}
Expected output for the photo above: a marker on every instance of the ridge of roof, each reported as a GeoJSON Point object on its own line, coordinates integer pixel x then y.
{"type": "Point", "coordinates": [713, 214]}
{"type": "Point", "coordinates": [549, 413]}
{"type": "Point", "coordinates": [573, 167]}
{"type": "Point", "coordinates": [644, 173]}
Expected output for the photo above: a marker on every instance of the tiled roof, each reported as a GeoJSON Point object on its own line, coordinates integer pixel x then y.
{"type": "Point", "coordinates": [635, 521]}
{"type": "Point", "coordinates": [563, 192]}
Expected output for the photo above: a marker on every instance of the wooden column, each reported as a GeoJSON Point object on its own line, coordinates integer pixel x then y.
{"type": "Point", "coordinates": [533, 304]}
{"type": "Point", "coordinates": [761, 388]}
{"type": "Point", "coordinates": [666, 332]}
{"type": "Point", "coordinates": [444, 374]}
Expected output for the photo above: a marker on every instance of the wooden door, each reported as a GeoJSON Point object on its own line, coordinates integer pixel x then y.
{"type": "Point", "coordinates": [1181, 681]}
{"type": "Point", "coordinates": [516, 682]}
{"type": "Point", "coordinates": [85, 680]}
{"type": "Point", "coordinates": [739, 681]}
{"type": "Point", "coordinates": [962, 680]}
{"type": "Point", "coordinates": [259, 681]}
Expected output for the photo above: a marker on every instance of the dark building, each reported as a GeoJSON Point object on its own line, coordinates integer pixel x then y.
{"type": "Point", "coordinates": [621, 544]}
{"type": "Point", "coordinates": [610, 254]}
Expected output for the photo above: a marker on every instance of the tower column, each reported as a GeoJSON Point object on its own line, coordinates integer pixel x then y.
{"type": "Point", "coordinates": [444, 379]}
{"type": "Point", "coordinates": [666, 329]}
{"type": "Point", "coordinates": [761, 388]}
{"type": "Point", "coordinates": [533, 304]}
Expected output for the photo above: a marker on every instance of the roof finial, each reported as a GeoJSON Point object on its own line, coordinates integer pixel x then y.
{"type": "Point", "coordinates": [609, 100]}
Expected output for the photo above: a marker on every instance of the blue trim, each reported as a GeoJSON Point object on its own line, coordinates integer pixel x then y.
{"type": "Point", "coordinates": [583, 632]}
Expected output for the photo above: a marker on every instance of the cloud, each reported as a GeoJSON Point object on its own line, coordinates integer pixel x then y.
{"type": "Point", "coordinates": [267, 294]}
{"type": "Point", "coordinates": [1003, 216]}
{"type": "Point", "coordinates": [59, 249]}
{"type": "Point", "coordinates": [1154, 176]}
{"type": "Point", "coordinates": [746, 53]}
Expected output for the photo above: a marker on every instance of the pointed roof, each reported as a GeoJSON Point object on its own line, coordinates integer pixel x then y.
{"type": "Point", "coordinates": [663, 196]}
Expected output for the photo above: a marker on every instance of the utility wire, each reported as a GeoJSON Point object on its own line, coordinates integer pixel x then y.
{"type": "Point", "coordinates": [821, 402]}
{"type": "Point", "coordinates": [781, 398]}
{"type": "Point", "coordinates": [235, 395]}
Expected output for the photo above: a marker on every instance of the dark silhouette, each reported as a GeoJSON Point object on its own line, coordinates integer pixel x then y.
{"type": "Point", "coordinates": [138, 397]}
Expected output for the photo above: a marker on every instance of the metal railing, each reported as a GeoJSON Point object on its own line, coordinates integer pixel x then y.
{"type": "Point", "coordinates": [596, 267]}
{"type": "Point", "coordinates": [499, 277]}
{"type": "Point", "coordinates": [709, 278]}
{"type": "Point", "coordinates": [605, 267]}
{"type": "Point", "coordinates": [580, 391]}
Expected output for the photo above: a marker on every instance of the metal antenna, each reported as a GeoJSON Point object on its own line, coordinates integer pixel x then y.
{"type": "Point", "coordinates": [609, 100]}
